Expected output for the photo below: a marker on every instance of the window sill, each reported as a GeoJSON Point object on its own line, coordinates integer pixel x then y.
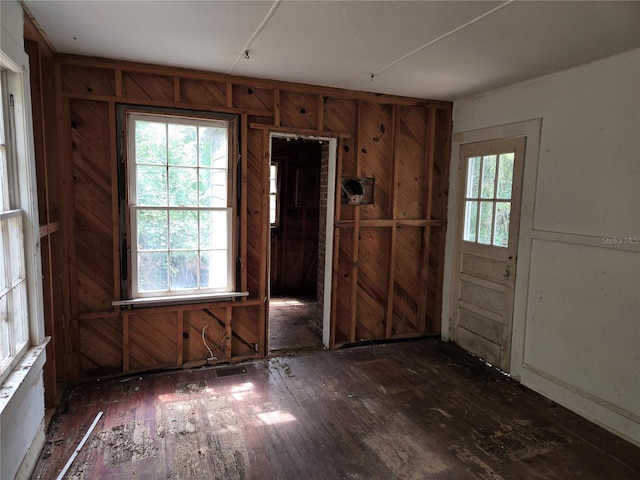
{"type": "Point", "coordinates": [179, 299]}
{"type": "Point", "coordinates": [22, 374]}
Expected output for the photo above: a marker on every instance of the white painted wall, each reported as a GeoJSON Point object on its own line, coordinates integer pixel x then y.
{"type": "Point", "coordinates": [22, 393]}
{"type": "Point", "coordinates": [576, 335]}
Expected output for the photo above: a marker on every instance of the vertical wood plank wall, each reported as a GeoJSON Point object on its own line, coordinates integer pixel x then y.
{"type": "Point", "coordinates": [387, 272]}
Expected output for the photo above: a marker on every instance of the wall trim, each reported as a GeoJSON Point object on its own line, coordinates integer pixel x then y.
{"type": "Point", "coordinates": [574, 399]}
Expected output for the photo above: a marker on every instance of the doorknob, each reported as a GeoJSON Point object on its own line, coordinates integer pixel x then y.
{"type": "Point", "coordinates": [506, 272]}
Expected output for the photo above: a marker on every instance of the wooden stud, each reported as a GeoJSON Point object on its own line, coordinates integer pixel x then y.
{"type": "Point", "coordinates": [446, 151]}
{"type": "Point", "coordinates": [391, 264]}
{"type": "Point", "coordinates": [125, 343]}
{"type": "Point", "coordinates": [276, 107]}
{"type": "Point", "coordinates": [356, 234]}
{"type": "Point", "coordinates": [264, 263]}
{"type": "Point", "coordinates": [69, 283]}
{"type": "Point", "coordinates": [243, 202]}
{"type": "Point", "coordinates": [426, 231]}
{"type": "Point", "coordinates": [176, 89]}
{"type": "Point", "coordinates": [118, 74]}
{"type": "Point", "coordinates": [114, 200]}
{"type": "Point", "coordinates": [333, 320]}
{"type": "Point", "coordinates": [320, 112]}
{"type": "Point", "coordinates": [229, 87]}
{"type": "Point", "coordinates": [180, 338]}
{"type": "Point", "coordinates": [228, 332]}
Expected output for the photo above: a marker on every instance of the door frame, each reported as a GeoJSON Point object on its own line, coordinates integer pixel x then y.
{"type": "Point", "coordinates": [329, 224]}
{"type": "Point", "coordinates": [531, 129]}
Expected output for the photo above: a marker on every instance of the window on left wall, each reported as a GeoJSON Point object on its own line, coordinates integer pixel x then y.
{"type": "Point", "coordinates": [14, 316]}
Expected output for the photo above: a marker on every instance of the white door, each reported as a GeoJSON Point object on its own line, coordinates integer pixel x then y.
{"type": "Point", "coordinates": [486, 248]}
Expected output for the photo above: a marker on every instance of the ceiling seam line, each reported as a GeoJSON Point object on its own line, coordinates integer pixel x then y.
{"type": "Point", "coordinates": [263, 24]}
{"type": "Point", "coordinates": [457, 29]}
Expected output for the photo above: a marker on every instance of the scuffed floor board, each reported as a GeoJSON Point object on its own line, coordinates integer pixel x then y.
{"type": "Point", "coordinates": [419, 409]}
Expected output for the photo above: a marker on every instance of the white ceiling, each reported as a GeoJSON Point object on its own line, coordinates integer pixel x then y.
{"type": "Point", "coordinates": [437, 50]}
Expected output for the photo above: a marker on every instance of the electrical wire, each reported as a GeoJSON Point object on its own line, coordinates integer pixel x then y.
{"type": "Point", "coordinates": [212, 356]}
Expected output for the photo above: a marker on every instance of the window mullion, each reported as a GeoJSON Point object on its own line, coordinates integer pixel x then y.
{"type": "Point", "coordinates": [479, 195]}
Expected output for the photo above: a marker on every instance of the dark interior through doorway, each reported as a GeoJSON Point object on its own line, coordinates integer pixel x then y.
{"type": "Point", "coordinates": [295, 316]}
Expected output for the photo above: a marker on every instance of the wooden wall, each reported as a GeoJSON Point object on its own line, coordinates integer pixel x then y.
{"type": "Point", "coordinates": [41, 67]}
{"type": "Point", "coordinates": [388, 259]}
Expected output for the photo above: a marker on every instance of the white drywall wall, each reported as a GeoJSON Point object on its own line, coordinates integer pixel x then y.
{"type": "Point", "coordinates": [576, 332]}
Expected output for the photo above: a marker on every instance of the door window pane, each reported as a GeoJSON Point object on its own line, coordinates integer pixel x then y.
{"type": "Point", "coordinates": [501, 230]}
{"type": "Point", "coordinates": [485, 223]}
{"type": "Point", "coordinates": [473, 177]}
{"type": "Point", "coordinates": [490, 179]}
{"type": "Point", "coordinates": [505, 176]}
{"type": "Point", "coordinates": [470, 221]}
{"type": "Point", "coordinates": [488, 176]}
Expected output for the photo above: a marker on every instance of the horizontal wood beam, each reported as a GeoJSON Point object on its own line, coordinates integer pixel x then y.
{"type": "Point", "coordinates": [299, 131]}
{"type": "Point", "coordinates": [93, 62]}
{"type": "Point", "coordinates": [49, 228]}
{"type": "Point", "coordinates": [389, 223]}
{"type": "Point", "coordinates": [164, 103]}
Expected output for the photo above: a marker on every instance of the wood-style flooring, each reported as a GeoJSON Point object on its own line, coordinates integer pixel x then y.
{"type": "Point", "coordinates": [294, 323]}
{"type": "Point", "coordinates": [420, 409]}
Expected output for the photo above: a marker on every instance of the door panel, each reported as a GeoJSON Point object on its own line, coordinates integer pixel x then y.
{"type": "Point", "coordinates": [486, 248]}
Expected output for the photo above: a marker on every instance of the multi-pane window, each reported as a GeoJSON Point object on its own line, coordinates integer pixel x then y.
{"type": "Point", "coordinates": [14, 319]}
{"type": "Point", "coordinates": [180, 206]}
{"type": "Point", "coordinates": [489, 185]}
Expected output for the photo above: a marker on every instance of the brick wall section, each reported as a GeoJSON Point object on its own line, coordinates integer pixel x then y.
{"type": "Point", "coordinates": [324, 180]}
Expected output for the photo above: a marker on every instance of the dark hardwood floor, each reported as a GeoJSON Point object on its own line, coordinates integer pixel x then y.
{"type": "Point", "coordinates": [421, 409]}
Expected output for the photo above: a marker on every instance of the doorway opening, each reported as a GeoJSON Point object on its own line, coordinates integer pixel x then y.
{"type": "Point", "coordinates": [298, 214]}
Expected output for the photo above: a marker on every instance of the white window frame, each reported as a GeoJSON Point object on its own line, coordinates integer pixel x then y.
{"type": "Point", "coordinates": [20, 242]}
{"type": "Point", "coordinates": [133, 207]}
{"type": "Point", "coordinates": [274, 191]}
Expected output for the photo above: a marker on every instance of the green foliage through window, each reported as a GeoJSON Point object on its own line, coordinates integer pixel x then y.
{"type": "Point", "coordinates": [180, 212]}
{"type": "Point", "coordinates": [489, 182]}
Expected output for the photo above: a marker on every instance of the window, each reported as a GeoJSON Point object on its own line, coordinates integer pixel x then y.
{"type": "Point", "coordinates": [488, 199]}
{"type": "Point", "coordinates": [273, 195]}
{"type": "Point", "coordinates": [14, 318]}
{"type": "Point", "coordinates": [180, 204]}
